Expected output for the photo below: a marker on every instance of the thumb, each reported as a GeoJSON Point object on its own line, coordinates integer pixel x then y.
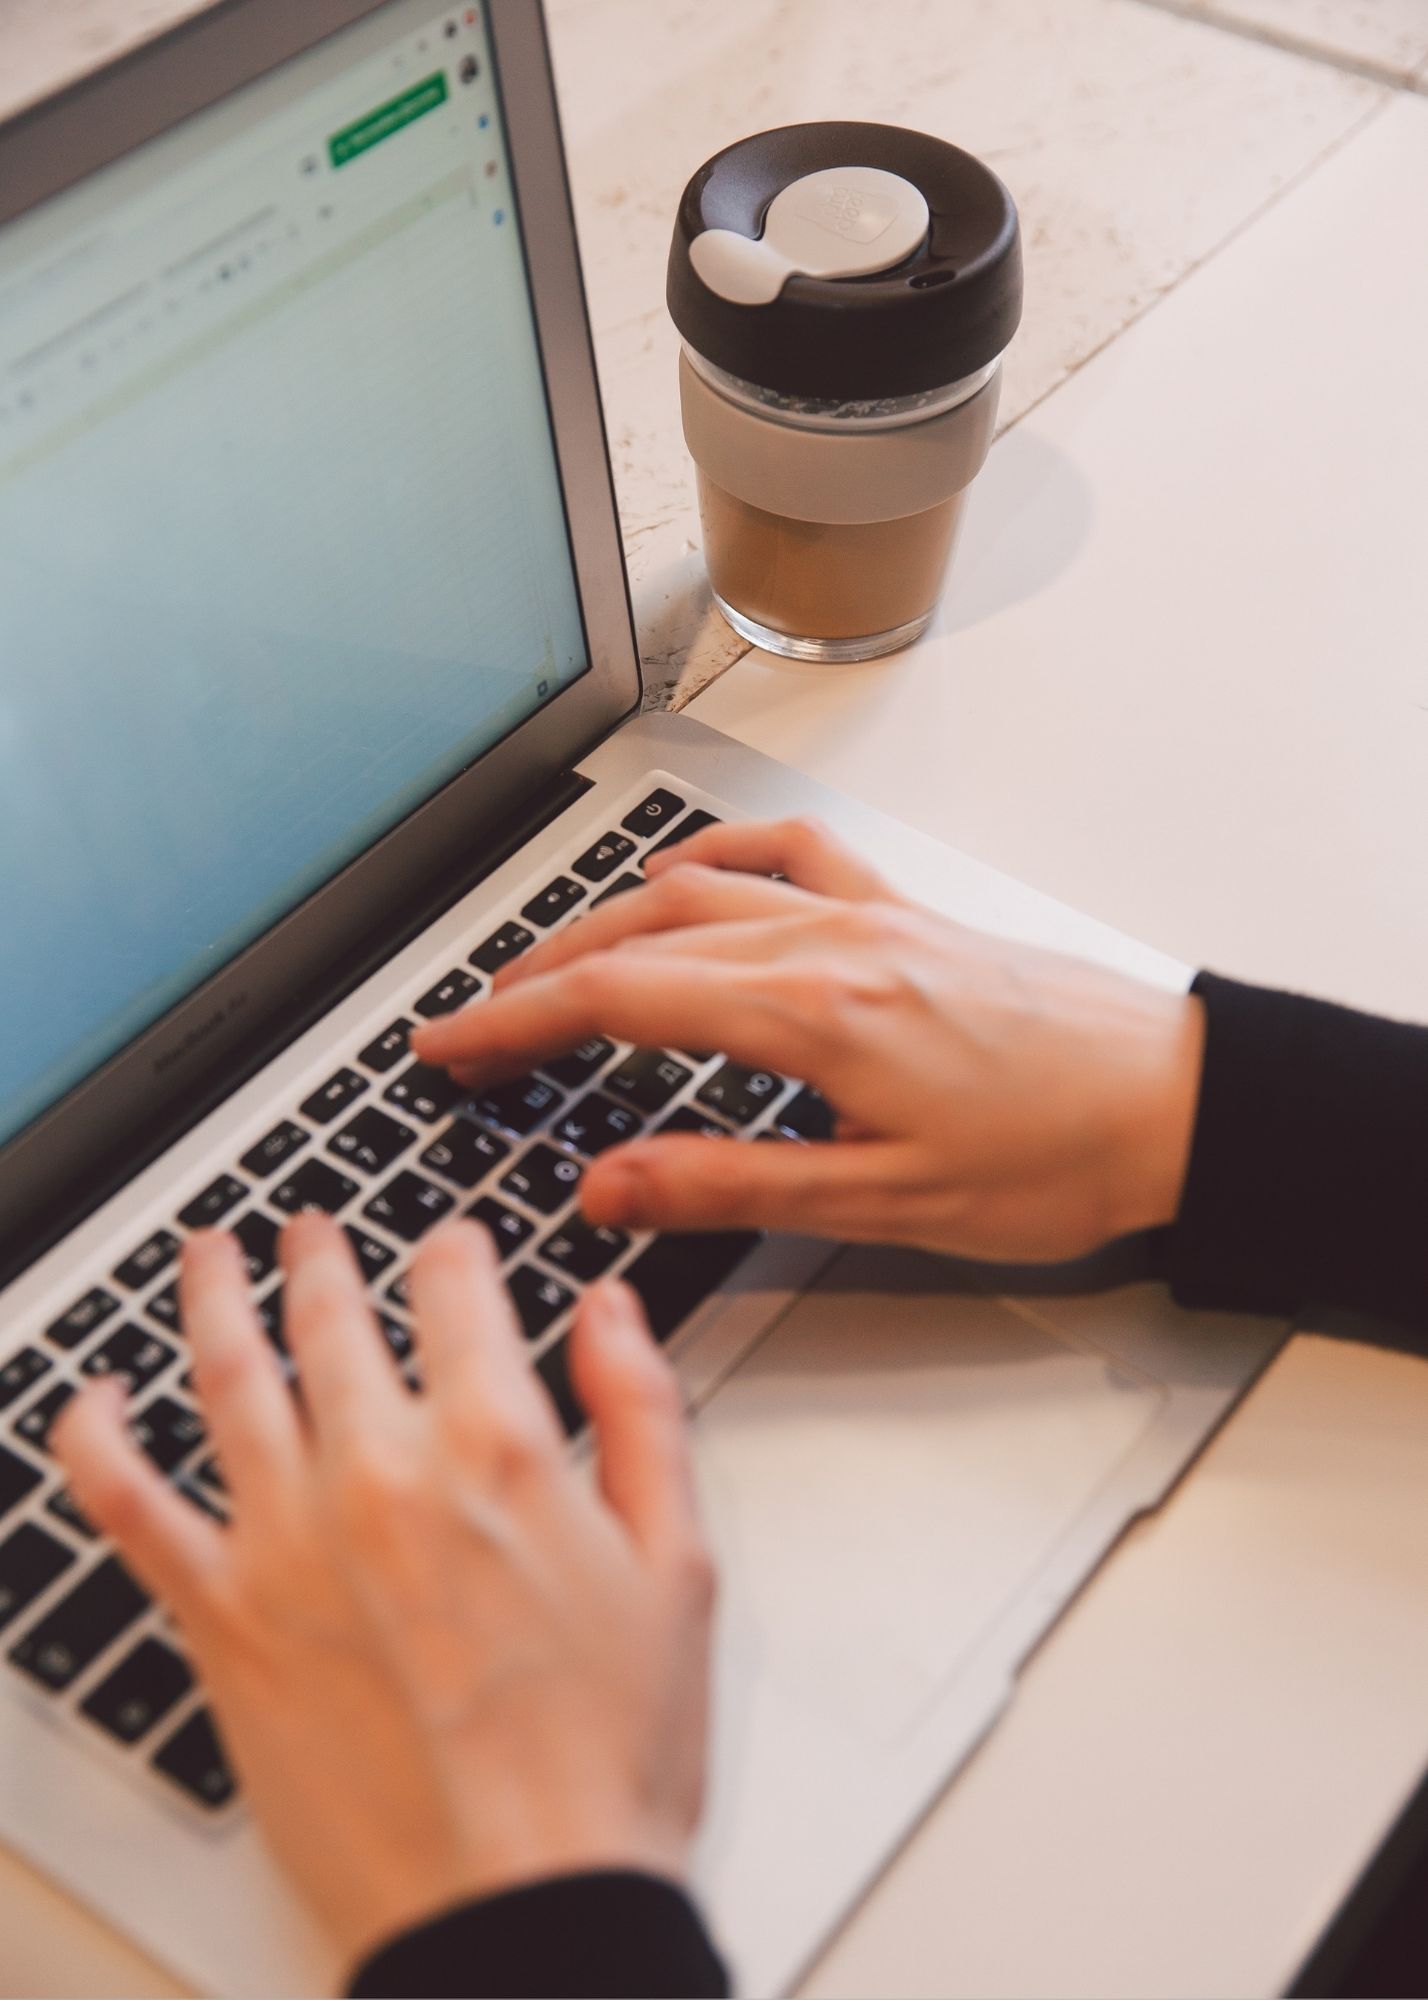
{"type": "Point", "coordinates": [846, 1189]}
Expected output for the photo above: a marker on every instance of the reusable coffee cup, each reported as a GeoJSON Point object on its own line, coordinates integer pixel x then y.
{"type": "Point", "coordinates": [845, 293]}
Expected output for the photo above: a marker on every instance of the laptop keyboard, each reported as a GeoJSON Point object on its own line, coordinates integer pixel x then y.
{"type": "Point", "coordinates": [391, 1147]}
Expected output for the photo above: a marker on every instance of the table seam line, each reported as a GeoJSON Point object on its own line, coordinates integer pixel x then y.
{"type": "Point", "coordinates": [1413, 80]}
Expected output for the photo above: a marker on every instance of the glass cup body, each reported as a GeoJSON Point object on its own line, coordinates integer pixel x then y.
{"type": "Point", "coordinates": [829, 590]}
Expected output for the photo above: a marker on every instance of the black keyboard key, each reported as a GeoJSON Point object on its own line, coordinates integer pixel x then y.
{"type": "Point", "coordinates": [739, 1093]}
{"type": "Point", "coordinates": [373, 1257]}
{"type": "Point", "coordinates": [396, 1336]}
{"type": "Point", "coordinates": [39, 1420]}
{"type": "Point", "coordinates": [582, 1250]}
{"type": "Point", "coordinates": [543, 1178]}
{"type": "Point", "coordinates": [258, 1236]}
{"type": "Point", "coordinates": [519, 1106]}
{"type": "Point", "coordinates": [648, 1078]}
{"type": "Point", "coordinates": [315, 1185]}
{"type": "Point", "coordinates": [270, 1317]}
{"type": "Point", "coordinates": [689, 1118]}
{"type": "Point", "coordinates": [580, 1064]}
{"type": "Point", "coordinates": [502, 947]}
{"type": "Point", "coordinates": [621, 886]}
{"type": "Point", "coordinates": [465, 1153]}
{"type": "Point", "coordinates": [29, 1563]}
{"type": "Point", "coordinates": [210, 1475]}
{"type": "Point", "coordinates": [65, 1507]}
{"type": "Point", "coordinates": [57, 1650]}
{"type": "Point", "coordinates": [193, 1758]}
{"type": "Point", "coordinates": [409, 1205]}
{"type": "Point", "coordinates": [678, 1272]}
{"type": "Point", "coordinates": [448, 994]}
{"type": "Point", "coordinates": [371, 1141]}
{"type": "Point", "coordinates": [147, 1261]}
{"type": "Point", "coordinates": [135, 1356]}
{"type": "Point", "coordinates": [76, 1325]}
{"type": "Point", "coordinates": [17, 1479]}
{"type": "Point", "coordinates": [335, 1095]}
{"type": "Point", "coordinates": [214, 1203]}
{"type": "Point", "coordinates": [596, 1123]}
{"type": "Point", "coordinates": [691, 823]}
{"type": "Point", "coordinates": [423, 1091]}
{"type": "Point", "coordinates": [653, 814]}
{"type": "Point", "coordinates": [167, 1431]}
{"type": "Point", "coordinates": [388, 1049]}
{"type": "Point", "coordinates": [19, 1372]}
{"type": "Point", "coordinates": [553, 1369]}
{"type": "Point", "coordinates": [144, 1686]}
{"type": "Point", "coordinates": [206, 1503]}
{"type": "Point", "coordinates": [508, 1230]}
{"type": "Point", "coordinates": [807, 1116]}
{"type": "Point", "coordinates": [399, 1292]}
{"type": "Point", "coordinates": [269, 1154]}
{"type": "Point", "coordinates": [604, 857]}
{"type": "Point", "coordinates": [554, 900]}
{"type": "Point", "coordinates": [164, 1307]}
{"type": "Point", "coordinates": [539, 1300]}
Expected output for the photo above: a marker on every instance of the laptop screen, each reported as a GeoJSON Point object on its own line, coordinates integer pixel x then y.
{"type": "Point", "coordinates": [282, 541]}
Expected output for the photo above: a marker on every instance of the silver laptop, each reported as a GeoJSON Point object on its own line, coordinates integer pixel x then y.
{"type": "Point", "coordinates": [318, 703]}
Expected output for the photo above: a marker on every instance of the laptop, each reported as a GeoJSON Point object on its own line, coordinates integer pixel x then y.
{"type": "Point", "coordinates": [319, 702]}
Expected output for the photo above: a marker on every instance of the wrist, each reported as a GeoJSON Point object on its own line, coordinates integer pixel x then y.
{"type": "Point", "coordinates": [1153, 1155]}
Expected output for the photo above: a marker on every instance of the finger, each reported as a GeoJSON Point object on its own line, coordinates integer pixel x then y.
{"type": "Point", "coordinates": [470, 1345]}
{"type": "Point", "coordinates": [682, 897]}
{"type": "Point", "coordinates": [844, 1190]}
{"type": "Point", "coordinates": [246, 1403]}
{"type": "Point", "coordinates": [629, 1392]}
{"type": "Point", "coordinates": [172, 1548]}
{"type": "Point", "coordinates": [672, 1004]}
{"type": "Point", "coordinates": [348, 1382]}
{"type": "Point", "coordinates": [803, 850]}
{"type": "Point", "coordinates": [766, 942]}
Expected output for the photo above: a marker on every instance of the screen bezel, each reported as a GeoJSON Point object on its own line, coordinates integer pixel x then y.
{"type": "Point", "coordinates": [47, 1166]}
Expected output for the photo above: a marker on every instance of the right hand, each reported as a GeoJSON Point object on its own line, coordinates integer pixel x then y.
{"type": "Point", "coordinates": [994, 1101]}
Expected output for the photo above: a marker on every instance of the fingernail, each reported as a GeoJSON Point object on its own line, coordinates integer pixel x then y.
{"type": "Point", "coordinates": [612, 1303]}
{"type": "Point", "coordinates": [208, 1245]}
{"type": "Point", "coordinates": [307, 1225]}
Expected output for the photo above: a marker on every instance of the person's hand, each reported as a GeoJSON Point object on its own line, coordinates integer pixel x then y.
{"type": "Point", "coordinates": [994, 1101]}
{"type": "Point", "coordinates": [442, 1659]}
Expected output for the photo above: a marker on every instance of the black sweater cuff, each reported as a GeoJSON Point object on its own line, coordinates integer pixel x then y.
{"type": "Point", "coordinates": [1308, 1176]}
{"type": "Point", "coordinates": [614, 1932]}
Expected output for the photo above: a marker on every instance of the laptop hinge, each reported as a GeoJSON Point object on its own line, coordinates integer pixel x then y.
{"type": "Point", "coordinates": [308, 1004]}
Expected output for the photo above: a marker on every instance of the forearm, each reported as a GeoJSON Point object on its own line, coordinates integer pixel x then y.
{"type": "Point", "coordinates": [1308, 1176]}
{"type": "Point", "coordinates": [613, 1933]}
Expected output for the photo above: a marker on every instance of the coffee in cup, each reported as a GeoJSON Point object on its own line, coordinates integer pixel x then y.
{"type": "Point", "coordinates": [845, 293]}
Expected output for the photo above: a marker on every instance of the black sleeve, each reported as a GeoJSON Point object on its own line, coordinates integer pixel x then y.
{"type": "Point", "coordinates": [1308, 1176]}
{"type": "Point", "coordinates": [608, 1933]}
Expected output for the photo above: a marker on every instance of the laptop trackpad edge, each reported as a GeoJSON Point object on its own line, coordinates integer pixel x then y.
{"type": "Point", "coordinates": [885, 1474]}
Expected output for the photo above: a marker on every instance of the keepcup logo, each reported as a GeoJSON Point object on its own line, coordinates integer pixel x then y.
{"type": "Point", "coordinates": [857, 214]}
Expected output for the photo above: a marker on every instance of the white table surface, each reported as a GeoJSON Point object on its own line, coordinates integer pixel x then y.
{"type": "Point", "coordinates": [1180, 680]}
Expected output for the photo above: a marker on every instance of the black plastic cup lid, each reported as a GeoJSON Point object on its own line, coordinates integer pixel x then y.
{"type": "Point", "coordinates": [939, 314]}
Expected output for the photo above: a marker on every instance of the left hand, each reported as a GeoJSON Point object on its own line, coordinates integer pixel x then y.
{"type": "Point", "coordinates": [444, 1661]}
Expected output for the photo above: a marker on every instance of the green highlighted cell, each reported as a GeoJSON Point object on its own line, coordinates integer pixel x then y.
{"type": "Point", "coordinates": [393, 116]}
